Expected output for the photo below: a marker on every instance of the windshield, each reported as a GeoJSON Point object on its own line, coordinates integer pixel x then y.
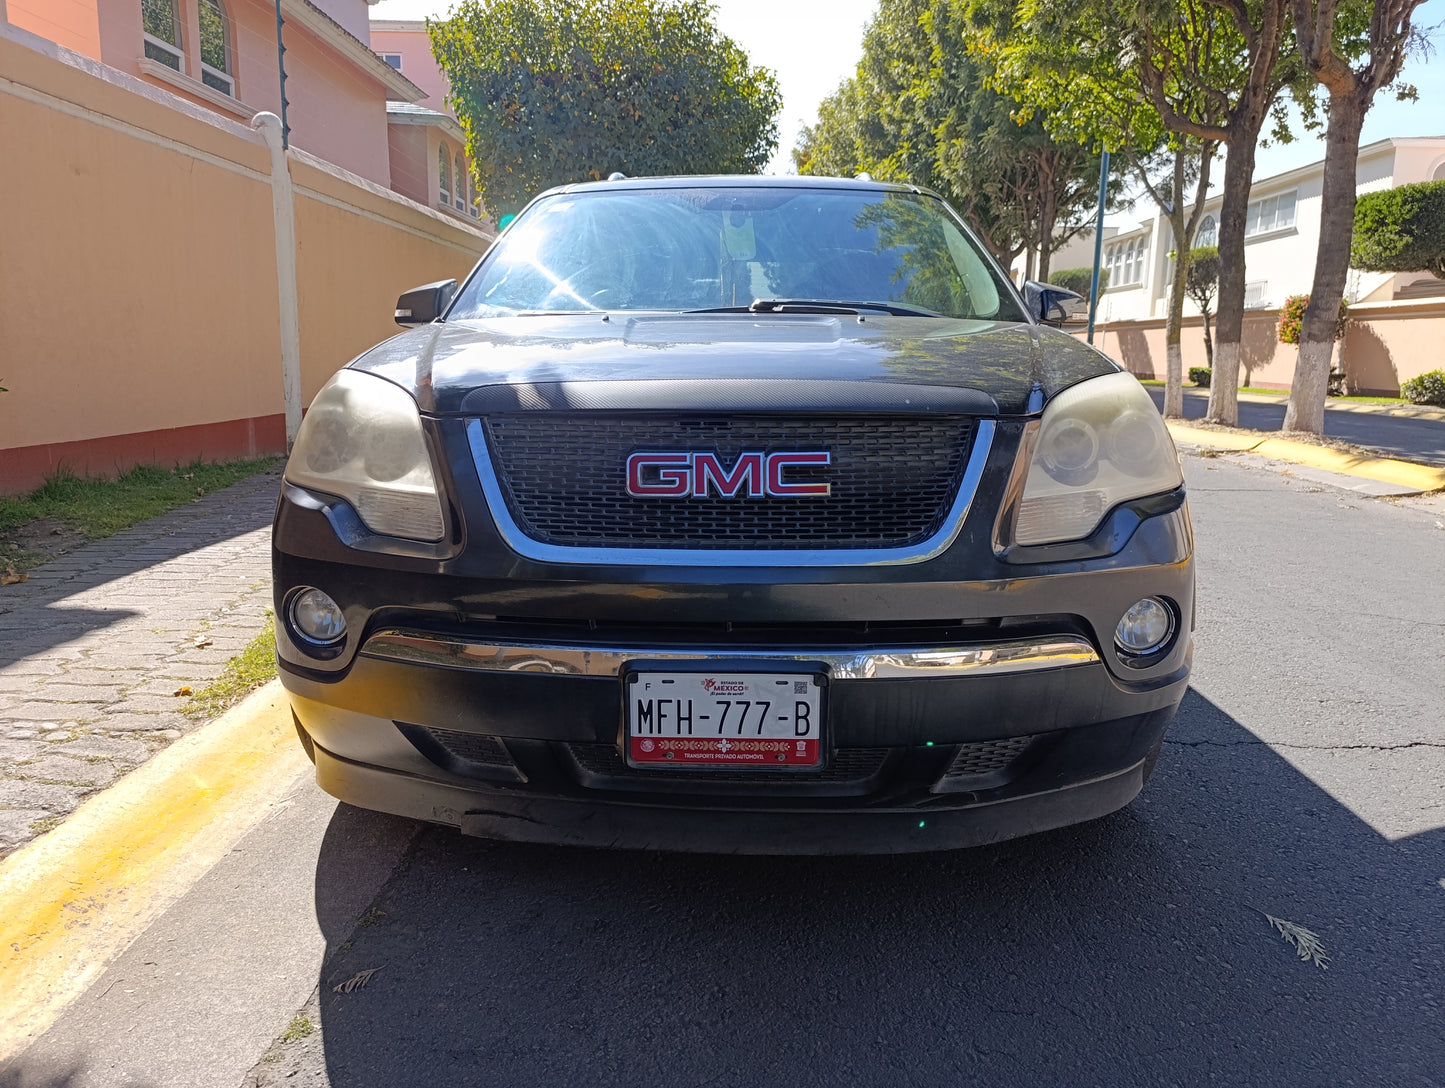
{"type": "Point", "coordinates": [716, 247]}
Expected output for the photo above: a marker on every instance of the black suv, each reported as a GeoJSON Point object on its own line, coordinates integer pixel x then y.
{"type": "Point", "coordinates": [737, 514]}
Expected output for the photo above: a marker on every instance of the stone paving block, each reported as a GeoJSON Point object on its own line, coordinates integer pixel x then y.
{"type": "Point", "coordinates": [189, 674]}
{"type": "Point", "coordinates": [11, 750]}
{"type": "Point", "coordinates": [39, 713]}
{"type": "Point", "coordinates": [55, 692]}
{"type": "Point", "coordinates": [15, 825]}
{"type": "Point", "coordinates": [65, 771]}
{"type": "Point", "coordinates": [17, 793]}
{"type": "Point", "coordinates": [93, 746]}
{"type": "Point", "coordinates": [133, 723]}
{"type": "Point", "coordinates": [25, 667]}
{"type": "Point", "coordinates": [148, 704]}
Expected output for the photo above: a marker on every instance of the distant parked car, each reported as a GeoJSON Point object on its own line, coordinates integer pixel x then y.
{"type": "Point", "coordinates": [735, 514]}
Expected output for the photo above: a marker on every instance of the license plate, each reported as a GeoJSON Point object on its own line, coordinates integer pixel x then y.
{"type": "Point", "coordinates": [761, 720]}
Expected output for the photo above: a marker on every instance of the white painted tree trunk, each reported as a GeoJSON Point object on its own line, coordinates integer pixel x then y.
{"type": "Point", "coordinates": [1174, 382]}
{"type": "Point", "coordinates": [1306, 411]}
{"type": "Point", "coordinates": [1224, 385]}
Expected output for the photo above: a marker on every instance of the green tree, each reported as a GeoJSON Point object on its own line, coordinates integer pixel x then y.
{"type": "Point", "coordinates": [557, 91]}
{"type": "Point", "coordinates": [1201, 285]}
{"type": "Point", "coordinates": [1401, 230]}
{"type": "Point", "coordinates": [1063, 63]}
{"type": "Point", "coordinates": [1330, 40]}
{"type": "Point", "coordinates": [921, 109]}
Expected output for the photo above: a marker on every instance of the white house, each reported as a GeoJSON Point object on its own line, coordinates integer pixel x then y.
{"type": "Point", "coordinates": [1281, 236]}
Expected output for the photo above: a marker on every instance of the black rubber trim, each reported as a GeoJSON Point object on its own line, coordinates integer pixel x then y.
{"type": "Point", "coordinates": [730, 395]}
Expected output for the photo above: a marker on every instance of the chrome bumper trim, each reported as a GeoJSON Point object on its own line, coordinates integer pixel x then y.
{"type": "Point", "coordinates": [905, 663]}
{"type": "Point", "coordinates": [526, 546]}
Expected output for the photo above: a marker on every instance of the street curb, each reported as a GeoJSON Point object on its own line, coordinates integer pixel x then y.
{"type": "Point", "coordinates": [75, 898]}
{"type": "Point", "coordinates": [1419, 478]}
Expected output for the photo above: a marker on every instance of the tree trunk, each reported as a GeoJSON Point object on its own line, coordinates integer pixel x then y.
{"type": "Point", "coordinates": [1311, 381]}
{"type": "Point", "coordinates": [1229, 317]}
{"type": "Point", "coordinates": [1208, 342]}
{"type": "Point", "coordinates": [1174, 325]}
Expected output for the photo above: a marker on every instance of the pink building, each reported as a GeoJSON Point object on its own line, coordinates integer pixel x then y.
{"type": "Point", "coordinates": [221, 54]}
{"type": "Point", "coordinates": [429, 162]}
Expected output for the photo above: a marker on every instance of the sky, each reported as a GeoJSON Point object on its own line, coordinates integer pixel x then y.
{"type": "Point", "coordinates": [813, 45]}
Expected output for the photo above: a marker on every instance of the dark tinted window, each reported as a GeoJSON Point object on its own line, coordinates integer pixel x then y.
{"type": "Point", "coordinates": [689, 249]}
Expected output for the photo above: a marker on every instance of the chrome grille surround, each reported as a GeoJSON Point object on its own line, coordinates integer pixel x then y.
{"type": "Point", "coordinates": [922, 542]}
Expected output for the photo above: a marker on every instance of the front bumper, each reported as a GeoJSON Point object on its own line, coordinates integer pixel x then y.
{"type": "Point", "coordinates": [929, 749]}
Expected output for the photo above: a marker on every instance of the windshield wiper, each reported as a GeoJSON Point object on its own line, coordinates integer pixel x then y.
{"type": "Point", "coordinates": [816, 306]}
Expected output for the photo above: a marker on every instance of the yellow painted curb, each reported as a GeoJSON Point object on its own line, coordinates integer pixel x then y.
{"type": "Point", "coordinates": [1220, 440]}
{"type": "Point", "coordinates": [75, 898]}
{"type": "Point", "coordinates": [1384, 469]}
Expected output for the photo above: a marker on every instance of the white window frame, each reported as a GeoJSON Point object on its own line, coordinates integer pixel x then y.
{"type": "Point", "coordinates": [165, 46]}
{"type": "Point", "coordinates": [459, 190]}
{"type": "Point", "coordinates": [444, 181]}
{"type": "Point", "coordinates": [1275, 227]}
{"type": "Point", "coordinates": [1125, 261]}
{"type": "Point", "coordinates": [229, 80]}
{"type": "Point", "coordinates": [386, 59]}
{"type": "Point", "coordinates": [216, 73]}
{"type": "Point", "coordinates": [1209, 227]}
{"type": "Point", "coordinates": [1260, 289]}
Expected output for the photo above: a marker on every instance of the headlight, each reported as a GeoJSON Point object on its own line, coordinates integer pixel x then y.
{"type": "Point", "coordinates": [1100, 443]}
{"type": "Point", "coordinates": [362, 440]}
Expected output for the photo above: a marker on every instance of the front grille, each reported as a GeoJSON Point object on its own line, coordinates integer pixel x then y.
{"type": "Point", "coordinates": [563, 476]}
{"type": "Point", "coordinates": [604, 762]}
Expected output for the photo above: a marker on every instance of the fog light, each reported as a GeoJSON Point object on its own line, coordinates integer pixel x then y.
{"type": "Point", "coordinates": [1145, 627]}
{"type": "Point", "coordinates": [317, 617]}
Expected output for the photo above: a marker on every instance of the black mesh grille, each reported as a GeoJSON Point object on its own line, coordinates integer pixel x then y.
{"type": "Point", "coordinates": [846, 765]}
{"type": "Point", "coordinates": [475, 755]}
{"type": "Point", "coordinates": [472, 747]}
{"type": "Point", "coordinates": [893, 479]}
{"type": "Point", "coordinates": [986, 756]}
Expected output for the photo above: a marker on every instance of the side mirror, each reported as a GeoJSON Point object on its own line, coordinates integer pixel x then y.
{"type": "Point", "coordinates": [422, 305]}
{"type": "Point", "coordinates": [1050, 304]}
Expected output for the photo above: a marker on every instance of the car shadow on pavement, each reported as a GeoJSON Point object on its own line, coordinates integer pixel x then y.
{"type": "Point", "coordinates": [37, 631]}
{"type": "Point", "coordinates": [1134, 950]}
{"type": "Point", "coordinates": [50, 609]}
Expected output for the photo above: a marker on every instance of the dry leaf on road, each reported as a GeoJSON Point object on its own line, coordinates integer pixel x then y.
{"type": "Point", "coordinates": [1306, 944]}
{"type": "Point", "coordinates": [355, 982]}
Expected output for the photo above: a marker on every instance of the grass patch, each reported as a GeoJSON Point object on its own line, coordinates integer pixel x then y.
{"type": "Point", "coordinates": [244, 673]}
{"type": "Point", "coordinates": [68, 510]}
{"type": "Point", "coordinates": [298, 1029]}
{"type": "Point", "coordinates": [99, 508]}
{"type": "Point", "coordinates": [44, 824]}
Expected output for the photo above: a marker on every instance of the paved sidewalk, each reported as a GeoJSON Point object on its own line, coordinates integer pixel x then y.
{"type": "Point", "coordinates": [95, 644]}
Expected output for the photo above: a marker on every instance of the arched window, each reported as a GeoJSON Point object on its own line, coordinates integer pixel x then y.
{"type": "Point", "coordinates": [444, 170]}
{"type": "Point", "coordinates": [161, 31]}
{"type": "Point", "coordinates": [462, 179]}
{"type": "Point", "coordinates": [217, 67]}
{"type": "Point", "coordinates": [1208, 234]}
{"type": "Point", "coordinates": [1439, 174]}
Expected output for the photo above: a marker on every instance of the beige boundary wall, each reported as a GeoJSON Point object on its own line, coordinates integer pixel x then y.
{"type": "Point", "coordinates": [139, 313]}
{"type": "Point", "coordinates": [1386, 343]}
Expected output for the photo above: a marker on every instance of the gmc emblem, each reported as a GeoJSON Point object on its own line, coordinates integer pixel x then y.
{"type": "Point", "coordinates": [691, 475]}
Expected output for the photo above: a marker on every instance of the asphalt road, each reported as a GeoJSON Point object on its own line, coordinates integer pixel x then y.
{"type": "Point", "coordinates": [1302, 779]}
{"type": "Point", "coordinates": [1407, 437]}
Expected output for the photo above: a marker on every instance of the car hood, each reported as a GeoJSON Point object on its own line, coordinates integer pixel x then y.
{"type": "Point", "coordinates": [460, 367]}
